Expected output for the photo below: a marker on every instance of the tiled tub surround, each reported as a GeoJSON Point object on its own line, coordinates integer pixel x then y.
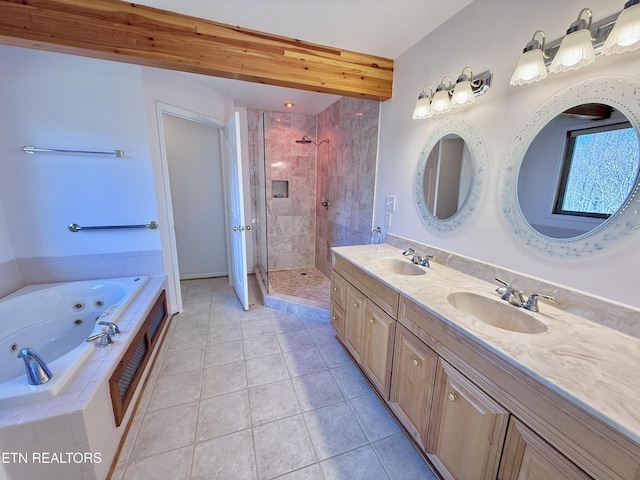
{"type": "Point", "coordinates": [593, 367]}
{"type": "Point", "coordinates": [80, 417]}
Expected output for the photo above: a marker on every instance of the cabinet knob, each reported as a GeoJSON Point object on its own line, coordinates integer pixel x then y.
{"type": "Point", "coordinates": [372, 321]}
{"type": "Point", "coordinates": [333, 317]}
{"type": "Point", "coordinates": [452, 397]}
{"type": "Point", "coordinates": [355, 305]}
{"type": "Point", "coordinates": [335, 289]}
{"type": "Point", "coordinates": [416, 363]}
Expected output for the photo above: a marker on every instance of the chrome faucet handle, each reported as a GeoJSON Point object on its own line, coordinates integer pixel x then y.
{"type": "Point", "coordinates": [532, 301]}
{"type": "Point", "coordinates": [501, 290]}
{"type": "Point", "coordinates": [424, 260]}
{"type": "Point", "coordinates": [113, 328]}
{"type": "Point", "coordinates": [105, 339]}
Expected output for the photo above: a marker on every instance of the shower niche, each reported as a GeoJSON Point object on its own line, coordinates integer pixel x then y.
{"type": "Point", "coordinates": [280, 188]}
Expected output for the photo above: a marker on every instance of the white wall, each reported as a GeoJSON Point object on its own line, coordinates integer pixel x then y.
{"type": "Point", "coordinates": [490, 34]}
{"type": "Point", "coordinates": [61, 101]}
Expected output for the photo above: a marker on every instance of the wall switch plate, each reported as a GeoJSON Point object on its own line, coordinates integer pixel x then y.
{"type": "Point", "coordinates": [387, 219]}
{"type": "Point", "coordinates": [390, 203]}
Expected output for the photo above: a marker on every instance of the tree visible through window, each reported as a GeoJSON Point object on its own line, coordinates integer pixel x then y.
{"type": "Point", "coordinates": [600, 169]}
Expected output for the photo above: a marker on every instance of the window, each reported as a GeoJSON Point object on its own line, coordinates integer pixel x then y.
{"type": "Point", "coordinates": [599, 171]}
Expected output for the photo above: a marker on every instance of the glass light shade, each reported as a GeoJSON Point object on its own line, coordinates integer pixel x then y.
{"type": "Point", "coordinates": [576, 50]}
{"type": "Point", "coordinates": [462, 94]}
{"type": "Point", "coordinates": [440, 102]}
{"type": "Point", "coordinates": [423, 108]}
{"type": "Point", "coordinates": [625, 35]}
{"type": "Point", "coordinates": [531, 68]}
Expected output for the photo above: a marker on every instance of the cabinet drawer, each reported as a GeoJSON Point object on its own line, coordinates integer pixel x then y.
{"type": "Point", "coordinates": [382, 295]}
{"type": "Point", "coordinates": [338, 289]}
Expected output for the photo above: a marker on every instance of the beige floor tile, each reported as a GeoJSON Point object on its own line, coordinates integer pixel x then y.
{"type": "Point", "coordinates": [173, 465]}
{"type": "Point", "coordinates": [282, 446]}
{"type": "Point", "coordinates": [263, 370]}
{"type": "Point", "coordinates": [223, 353]}
{"type": "Point", "coordinates": [273, 402]}
{"type": "Point", "coordinates": [317, 390]}
{"type": "Point", "coordinates": [165, 430]}
{"type": "Point", "coordinates": [223, 414]}
{"type": "Point", "coordinates": [222, 379]}
{"type": "Point", "coordinates": [175, 390]}
{"type": "Point", "coordinates": [230, 457]}
{"type": "Point", "coordinates": [261, 346]}
{"type": "Point", "coordinates": [304, 361]}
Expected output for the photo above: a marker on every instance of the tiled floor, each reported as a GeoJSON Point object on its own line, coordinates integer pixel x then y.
{"type": "Point", "coordinates": [306, 282]}
{"type": "Point", "coordinates": [258, 395]}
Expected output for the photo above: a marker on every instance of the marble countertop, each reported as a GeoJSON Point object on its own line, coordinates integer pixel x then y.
{"type": "Point", "coordinates": [593, 366]}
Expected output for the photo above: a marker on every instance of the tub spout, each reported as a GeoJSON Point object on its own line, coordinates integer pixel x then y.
{"type": "Point", "coordinates": [37, 370]}
{"type": "Point", "coordinates": [113, 328]}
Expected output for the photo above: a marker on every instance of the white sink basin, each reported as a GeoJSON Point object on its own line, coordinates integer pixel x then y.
{"type": "Point", "coordinates": [497, 313]}
{"type": "Point", "coordinates": [399, 266]}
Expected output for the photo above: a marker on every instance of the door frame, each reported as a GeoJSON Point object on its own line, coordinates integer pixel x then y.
{"type": "Point", "coordinates": [167, 229]}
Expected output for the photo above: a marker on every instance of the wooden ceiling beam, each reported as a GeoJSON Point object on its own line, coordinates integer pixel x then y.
{"type": "Point", "coordinates": [131, 33]}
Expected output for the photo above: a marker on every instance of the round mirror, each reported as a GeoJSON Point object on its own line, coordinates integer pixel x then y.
{"type": "Point", "coordinates": [573, 169]}
{"type": "Point", "coordinates": [450, 175]}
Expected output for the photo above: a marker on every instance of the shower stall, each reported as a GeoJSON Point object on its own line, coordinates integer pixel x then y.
{"type": "Point", "coordinates": [312, 184]}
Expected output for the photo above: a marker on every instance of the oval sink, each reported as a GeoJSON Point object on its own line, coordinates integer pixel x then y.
{"type": "Point", "coordinates": [497, 313]}
{"type": "Point", "coordinates": [399, 266]}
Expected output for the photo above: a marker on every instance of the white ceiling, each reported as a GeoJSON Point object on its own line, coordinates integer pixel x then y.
{"type": "Point", "coordinates": [385, 28]}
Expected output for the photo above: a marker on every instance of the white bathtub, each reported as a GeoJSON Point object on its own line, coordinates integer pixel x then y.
{"type": "Point", "coordinates": [54, 320]}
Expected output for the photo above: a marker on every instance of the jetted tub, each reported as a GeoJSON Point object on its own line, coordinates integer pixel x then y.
{"type": "Point", "coordinates": [55, 320]}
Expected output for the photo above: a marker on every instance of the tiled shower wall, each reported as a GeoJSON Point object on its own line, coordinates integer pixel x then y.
{"type": "Point", "coordinates": [346, 176]}
{"type": "Point", "coordinates": [290, 220]}
{"type": "Point", "coordinates": [300, 231]}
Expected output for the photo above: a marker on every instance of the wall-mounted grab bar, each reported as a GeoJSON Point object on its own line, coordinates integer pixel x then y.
{"type": "Point", "coordinates": [32, 150]}
{"type": "Point", "coordinates": [74, 227]}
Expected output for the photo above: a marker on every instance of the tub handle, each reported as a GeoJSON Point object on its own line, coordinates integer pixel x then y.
{"type": "Point", "coordinates": [113, 328]}
{"type": "Point", "coordinates": [105, 339]}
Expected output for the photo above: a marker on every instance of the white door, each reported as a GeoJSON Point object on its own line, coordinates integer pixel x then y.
{"type": "Point", "coordinates": [238, 243]}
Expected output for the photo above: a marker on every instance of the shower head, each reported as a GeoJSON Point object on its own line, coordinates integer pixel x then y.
{"type": "Point", "coordinates": [307, 140]}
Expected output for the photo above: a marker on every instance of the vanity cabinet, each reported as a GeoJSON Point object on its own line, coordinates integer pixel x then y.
{"type": "Point", "coordinates": [473, 413]}
{"type": "Point", "coordinates": [412, 383]}
{"type": "Point", "coordinates": [527, 456]}
{"type": "Point", "coordinates": [467, 428]}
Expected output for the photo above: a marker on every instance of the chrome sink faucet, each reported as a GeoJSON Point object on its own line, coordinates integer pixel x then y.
{"type": "Point", "coordinates": [417, 257]}
{"type": "Point", "coordinates": [510, 294]}
{"type": "Point", "coordinates": [517, 297]}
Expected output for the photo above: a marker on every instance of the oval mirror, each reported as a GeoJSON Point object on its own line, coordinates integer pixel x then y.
{"type": "Point", "coordinates": [450, 174]}
{"type": "Point", "coordinates": [572, 170]}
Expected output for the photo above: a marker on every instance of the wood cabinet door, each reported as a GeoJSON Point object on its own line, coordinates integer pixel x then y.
{"type": "Point", "coordinates": [354, 321]}
{"type": "Point", "coordinates": [379, 332]}
{"type": "Point", "coordinates": [467, 428]}
{"type": "Point", "coordinates": [412, 382]}
{"type": "Point", "coordinates": [527, 456]}
{"type": "Point", "coordinates": [337, 319]}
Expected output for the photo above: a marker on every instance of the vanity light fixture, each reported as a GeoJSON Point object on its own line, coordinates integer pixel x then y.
{"type": "Point", "coordinates": [625, 36]}
{"type": "Point", "coordinates": [423, 105]}
{"type": "Point", "coordinates": [445, 97]}
{"type": "Point", "coordinates": [576, 49]}
{"type": "Point", "coordinates": [584, 40]}
{"type": "Point", "coordinates": [462, 92]}
{"type": "Point", "coordinates": [440, 102]}
{"type": "Point", "coordinates": [531, 66]}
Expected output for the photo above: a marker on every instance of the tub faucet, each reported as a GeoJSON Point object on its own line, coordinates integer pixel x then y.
{"type": "Point", "coordinates": [37, 370]}
{"type": "Point", "coordinates": [113, 328]}
{"type": "Point", "coordinates": [105, 339]}
{"type": "Point", "coordinates": [417, 257]}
